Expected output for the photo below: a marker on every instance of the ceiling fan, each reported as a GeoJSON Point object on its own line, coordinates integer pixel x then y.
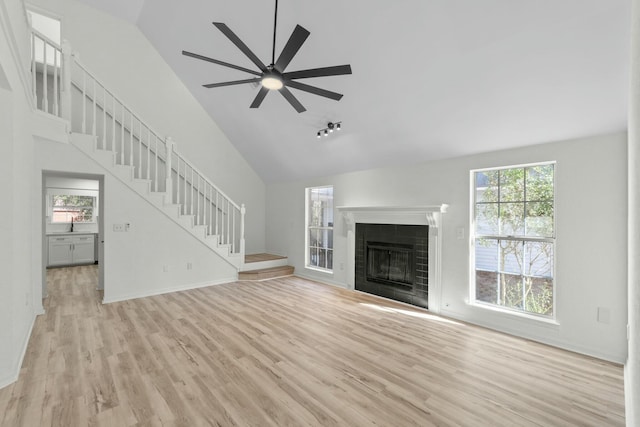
{"type": "Point", "coordinates": [273, 76]}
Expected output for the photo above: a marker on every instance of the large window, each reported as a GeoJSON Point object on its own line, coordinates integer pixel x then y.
{"type": "Point", "coordinates": [66, 207]}
{"type": "Point", "coordinates": [514, 238]}
{"type": "Point", "coordinates": [319, 228]}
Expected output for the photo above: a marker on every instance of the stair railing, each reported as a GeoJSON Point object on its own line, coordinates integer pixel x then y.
{"type": "Point", "coordinates": [95, 110]}
{"type": "Point", "coordinates": [46, 73]}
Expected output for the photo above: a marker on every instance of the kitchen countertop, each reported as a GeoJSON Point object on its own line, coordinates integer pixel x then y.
{"type": "Point", "coordinates": [69, 233]}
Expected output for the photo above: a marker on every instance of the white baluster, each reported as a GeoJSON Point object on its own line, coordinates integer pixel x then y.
{"type": "Point", "coordinates": [55, 81]}
{"type": "Point", "coordinates": [167, 163]}
{"type": "Point", "coordinates": [178, 184]}
{"type": "Point", "coordinates": [243, 210]}
{"type": "Point", "coordinates": [228, 219]}
{"type": "Point", "coordinates": [233, 232]}
{"type": "Point", "coordinates": [84, 102]}
{"type": "Point", "coordinates": [198, 202]}
{"type": "Point", "coordinates": [33, 69]}
{"type": "Point", "coordinates": [140, 151]}
{"type": "Point", "coordinates": [65, 97]}
{"type": "Point", "coordinates": [217, 230]}
{"type": "Point", "coordinates": [93, 126]}
{"type": "Point", "coordinates": [131, 141]}
{"type": "Point", "coordinates": [113, 123]}
{"type": "Point", "coordinates": [148, 154]}
{"type": "Point", "coordinates": [184, 190]}
{"type": "Point", "coordinates": [104, 118]}
{"type": "Point", "coordinates": [211, 209]}
{"type": "Point", "coordinates": [207, 205]}
{"type": "Point", "coordinates": [45, 71]}
{"type": "Point", "coordinates": [192, 202]}
{"type": "Point", "coordinates": [122, 136]}
{"type": "Point", "coordinates": [155, 138]}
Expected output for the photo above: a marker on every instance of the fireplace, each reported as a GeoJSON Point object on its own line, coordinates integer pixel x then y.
{"type": "Point", "coordinates": [389, 280]}
{"type": "Point", "coordinates": [392, 261]}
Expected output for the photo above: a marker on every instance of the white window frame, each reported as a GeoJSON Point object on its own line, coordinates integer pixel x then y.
{"type": "Point", "coordinates": [473, 236]}
{"type": "Point", "coordinates": [308, 227]}
{"type": "Point", "coordinates": [52, 192]}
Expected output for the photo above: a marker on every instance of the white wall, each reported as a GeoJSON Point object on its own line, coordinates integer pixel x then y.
{"type": "Point", "coordinates": [134, 261]}
{"type": "Point", "coordinates": [591, 234]}
{"type": "Point", "coordinates": [122, 58]}
{"type": "Point", "coordinates": [18, 303]}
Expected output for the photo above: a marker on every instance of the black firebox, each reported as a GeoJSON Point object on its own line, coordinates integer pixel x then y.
{"type": "Point", "coordinates": [392, 261]}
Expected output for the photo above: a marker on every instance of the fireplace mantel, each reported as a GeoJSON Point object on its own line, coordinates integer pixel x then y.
{"type": "Point", "coordinates": [404, 215]}
{"type": "Point", "coordinates": [413, 215]}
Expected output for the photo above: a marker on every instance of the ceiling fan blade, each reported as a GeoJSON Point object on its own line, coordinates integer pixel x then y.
{"type": "Point", "coordinates": [215, 61]}
{"type": "Point", "coordinates": [314, 90]}
{"type": "Point", "coordinates": [292, 100]}
{"type": "Point", "coordinates": [337, 70]}
{"type": "Point", "coordinates": [259, 97]}
{"type": "Point", "coordinates": [240, 44]}
{"type": "Point", "coordinates": [232, 83]}
{"type": "Point", "coordinates": [296, 40]}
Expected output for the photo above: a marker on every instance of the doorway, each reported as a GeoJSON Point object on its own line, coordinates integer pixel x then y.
{"type": "Point", "coordinates": [72, 223]}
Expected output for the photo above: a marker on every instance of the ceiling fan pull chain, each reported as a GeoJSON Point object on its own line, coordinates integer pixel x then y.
{"type": "Point", "coordinates": [275, 24]}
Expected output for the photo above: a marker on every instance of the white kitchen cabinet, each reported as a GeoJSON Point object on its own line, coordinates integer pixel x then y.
{"type": "Point", "coordinates": [69, 250]}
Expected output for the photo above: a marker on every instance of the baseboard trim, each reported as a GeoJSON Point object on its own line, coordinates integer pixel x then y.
{"type": "Point", "coordinates": [169, 290]}
{"type": "Point", "coordinates": [321, 280]}
{"type": "Point", "coordinates": [13, 378]}
{"type": "Point", "coordinates": [561, 344]}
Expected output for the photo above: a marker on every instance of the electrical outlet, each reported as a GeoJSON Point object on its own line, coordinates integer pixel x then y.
{"type": "Point", "coordinates": [118, 228]}
{"type": "Point", "coordinates": [189, 266]}
{"type": "Point", "coordinates": [165, 268]}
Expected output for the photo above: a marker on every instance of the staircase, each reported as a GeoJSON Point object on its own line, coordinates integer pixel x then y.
{"type": "Point", "coordinates": [113, 136]}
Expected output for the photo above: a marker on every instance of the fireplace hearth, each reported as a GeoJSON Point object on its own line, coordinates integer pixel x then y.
{"type": "Point", "coordinates": [392, 261]}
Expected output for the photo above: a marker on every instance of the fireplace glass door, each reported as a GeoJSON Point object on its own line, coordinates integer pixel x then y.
{"type": "Point", "coordinates": [392, 265]}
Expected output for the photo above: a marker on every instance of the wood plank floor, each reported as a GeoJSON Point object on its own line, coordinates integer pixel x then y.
{"type": "Point", "coordinates": [289, 352]}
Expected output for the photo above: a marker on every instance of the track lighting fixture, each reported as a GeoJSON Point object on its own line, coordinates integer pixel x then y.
{"type": "Point", "coordinates": [329, 129]}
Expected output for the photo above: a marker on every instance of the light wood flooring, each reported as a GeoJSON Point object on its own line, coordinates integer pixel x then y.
{"type": "Point", "coordinates": [289, 352]}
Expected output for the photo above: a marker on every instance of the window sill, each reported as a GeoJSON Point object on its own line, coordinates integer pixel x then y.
{"type": "Point", "coordinates": [511, 313]}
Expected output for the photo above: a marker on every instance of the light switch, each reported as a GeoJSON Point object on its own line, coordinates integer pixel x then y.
{"type": "Point", "coordinates": [460, 233]}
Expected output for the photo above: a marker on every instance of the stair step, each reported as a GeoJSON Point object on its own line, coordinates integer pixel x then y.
{"type": "Point", "coordinates": [262, 261]}
{"type": "Point", "coordinates": [266, 273]}
{"type": "Point", "coordinates": [143, 186]}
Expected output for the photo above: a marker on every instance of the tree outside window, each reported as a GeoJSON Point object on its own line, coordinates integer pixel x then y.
{"type": "Point", "coordinates": [66, 208]}
{"type": "Point", "coordinates": [514, 235]}
{"type": "Point", "coordinates": [320, 228]}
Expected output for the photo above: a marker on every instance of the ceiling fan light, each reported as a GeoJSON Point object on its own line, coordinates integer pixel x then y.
{"type": "Point", "coordinates": [319, 134]}
{"type": "Point", "coordinates": [326, 132]}
{"type": "Point", "coordinates": [338, 126]}
{"type": "Point", "coordinates": [272, 82]}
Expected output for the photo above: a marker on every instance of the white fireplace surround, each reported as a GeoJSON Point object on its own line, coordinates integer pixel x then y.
{"type": "Point", "coordinates": [402, 215]}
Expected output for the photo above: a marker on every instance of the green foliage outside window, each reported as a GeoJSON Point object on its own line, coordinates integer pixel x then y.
{"type": "Point", "coordinates": [514, 229]}
{"type": "Point", "coordinates": [67, 208]}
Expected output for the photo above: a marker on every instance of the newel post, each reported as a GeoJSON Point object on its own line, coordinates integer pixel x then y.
{"type": "Point", "coordinates": [167, 163]}
{"type": "Point", "coordinates": [243, 210]}
{"type": "Point", "coordinates": [65, 93]}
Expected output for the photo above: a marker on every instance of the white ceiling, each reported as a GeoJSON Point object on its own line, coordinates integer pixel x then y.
{"type": "Point", "coordinates": [431, 79]}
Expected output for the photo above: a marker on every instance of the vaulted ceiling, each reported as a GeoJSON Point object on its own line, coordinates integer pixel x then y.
{"type": "Point", "coordinates": [431, 79]}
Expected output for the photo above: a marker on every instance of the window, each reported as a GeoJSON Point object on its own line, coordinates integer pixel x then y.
{"type": "Point", "coordinates": [65, 207]}
{"type": "Point", "coordinates": [514, 238]}
{"type": "Point", "coordinates": [320, 228]}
